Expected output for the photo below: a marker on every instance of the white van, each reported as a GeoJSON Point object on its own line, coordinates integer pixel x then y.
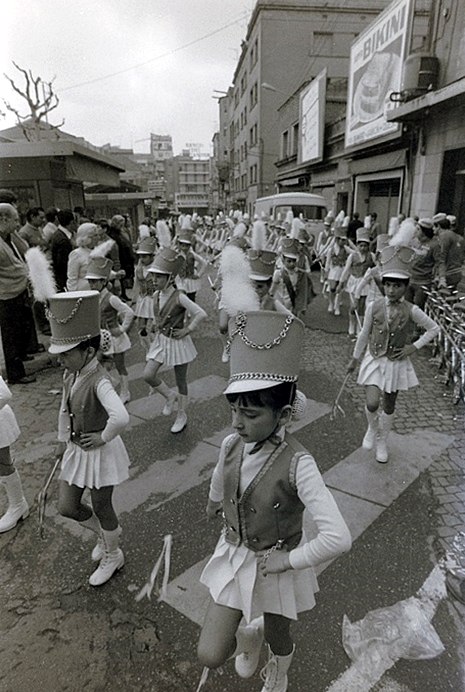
{"type": "Point", "coordinates": [312, 208]}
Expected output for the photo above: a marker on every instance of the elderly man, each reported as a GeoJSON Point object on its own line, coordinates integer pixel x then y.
{"type": "Point", "coordinates": [16, 320]}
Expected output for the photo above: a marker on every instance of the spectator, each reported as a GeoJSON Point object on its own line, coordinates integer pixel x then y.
{"type": "Point", "coordinates": [452, 253]}
{"type": "Point", "coordinates": [16, 322]}
{"type": "Point", "coordinates": [31, 232]}
{"type": "Point", "coordinates": [126, 255]}
{"type": "Point", "coordinates": [354, 224]}
{"type": "Point", "coordinates": [8, 197]}
{"type": "Point", "coordinates": [51, 227]}
{"type": "Point", "coordinates": [61, 246]}
{"type": "Point", "coordinates": [426, 262]}
{"type": "Point", "coordinates": [375, 229]}
{"type": "Point", "coordinates": [78, 260]}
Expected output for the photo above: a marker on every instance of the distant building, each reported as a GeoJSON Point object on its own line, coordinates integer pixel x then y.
{"type": "Point", "coordinates": [161, 147]}
{"type": "Point", "coordinates": [189, 180]}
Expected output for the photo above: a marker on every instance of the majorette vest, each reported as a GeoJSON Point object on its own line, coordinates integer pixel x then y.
{"type": "Point", "coordinates": [86, 413]}
{"type": "Point", "coordinates": [386, 339]}
{"type": "Point", "coordinates": [358, 268]}
{"type": "Point", "coordinates": [340, 259]}
{"type": "Point", "coordinates": [172, 314]}
{"type": "Point", "coordinates": [187, 270]}
{"type": "Point", "coordinates": [146, 283]}
{"type": "Point", "coordinates": [269, 512]}
{"type": "Point", "coordinates": [108, 314]}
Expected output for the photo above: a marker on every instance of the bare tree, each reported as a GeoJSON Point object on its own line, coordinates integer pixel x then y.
{"type": "Point", "coordinates": [41, 100]}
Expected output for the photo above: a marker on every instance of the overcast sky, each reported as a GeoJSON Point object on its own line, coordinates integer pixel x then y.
{"type": "Point", "coordinates": [125, 68]}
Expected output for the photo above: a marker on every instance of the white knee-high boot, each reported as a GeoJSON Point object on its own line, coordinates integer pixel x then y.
{"type": "Point", "coordinates": [384, 428]}
{"type": "Point", "coordinates": [274, 674]}
{"type": "Point", "coordinates": [17, 504]}
{"type": "Point", "coordinates": [331, 302]}
{"type": "Point", "coordinates": [181, 419]}
{"type": "Point", "coordinates": [169, 394]}
{"type": "Point", "coordinates": [125, 394]}
{"type": "Point", "coordinates": [249, 640]}
{"type": "Point", "coordinates": [337, 304]}
{"type": "Point", "coordinates": [352, 324]}
{"type": "Point", "coordinates": [93, 524]}
{"type": "Point", "coordinates": [113, 558]}
{"type": "Point", "coordinates": [372, 430]}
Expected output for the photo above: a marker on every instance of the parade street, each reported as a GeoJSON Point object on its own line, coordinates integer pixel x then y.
{"type": "Point", "coordinates": [404, 516]}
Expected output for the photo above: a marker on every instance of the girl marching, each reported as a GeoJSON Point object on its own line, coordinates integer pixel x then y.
{"type": "Point", "coordinates": [385, 343]}
{"type": "Point", "coordinates": [144, 288]}
{"type": "Point", "coordinates": [262, 569]}
{"type": "Point", "coordinates": [172, 345]}
{"type": "Point", "coordinates": [115, 315]}
{"type": "Point", "coordinates": [357, 264]}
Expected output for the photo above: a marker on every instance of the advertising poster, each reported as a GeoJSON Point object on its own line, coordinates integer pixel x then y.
{"type": "Point", "coordinates": [312, 119]}
{"type": "Point", "coordinates": [376, 60]}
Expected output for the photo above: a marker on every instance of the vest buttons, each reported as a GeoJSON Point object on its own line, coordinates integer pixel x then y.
{"type": "Point", "coordinates": [255, 540]}
{"type": "Point", "coordinates": [233, 502]}
{"type": "Point", "coordinates": [253, 510]}
{"type": "Point", "coordinates": [276, 505]}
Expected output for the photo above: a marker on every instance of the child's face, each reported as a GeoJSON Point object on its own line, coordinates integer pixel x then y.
{"type": "Point", "coordinates": [145, 259]}
{"type": "Point", "coordinates": [363, 247]}
{"type": "Point", "coordinates": [96, 284]}
{"type": "Point", "coordinates": [394, 289]}
{"type": "Point", "coordinates": [261, 287]}
{"type": "Point", "coordinates": [341, 241]}
{"type": "Point", "coordinates": [160, 281]}
{"type": "Point", "coordinates": [74, 359]}
{"type": "Point", "coordinates": [289, 263]}
{"type": "Point", "coordinates": [254, 423]}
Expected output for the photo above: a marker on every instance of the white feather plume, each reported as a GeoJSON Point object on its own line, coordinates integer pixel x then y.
{"type": "Point", "coordinates": [339, 220]}
{"type": "Point", "coordinates": [237, 291]}
{"type": "Point", "coordinates": [289, 217]}
{"type": "Point", "coordinates": [367, 222]}
{"type": "Point", "coordinates": [297, 224]}
{"type": "Point", "coordinates": [258, 235]}
{"type": "Point", "coordinates": [40, 274]}
{"type": "Point", "coordinates": [406, 235]}
{"type": "Point", "coordinates": [102, 249]}
{"type": "Point", "coordinates": [163, 234]}
{"type": "Point", "coordinates": [393, 225]}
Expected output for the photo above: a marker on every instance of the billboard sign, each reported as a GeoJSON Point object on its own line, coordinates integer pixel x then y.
{"type": "Point", "coordinates": [376, 60]}
{"type": "Point", "coordinates": [312, 119]}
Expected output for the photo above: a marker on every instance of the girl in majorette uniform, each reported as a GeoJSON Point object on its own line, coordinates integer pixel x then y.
{"type": "Point", "coordinates": [336, 258]}
{"type": "Point", "coordinates": [18, 507]}
{"type": "Point", "coordinates": [91, 419]}
{"type": "Point", "coordinates": [144, 288]}
{"type": "Point", "coordinates": [291, 281]}
{"type": "Point", "coordinates": [385, 343]}
{"type": "Point", "coordinates": [172, 344]}
{"type": "Point", "coordinates": [115, 315]}
{"type": "Point", "coordinates": [322, 244]}
{"type": "Point", "coordinates": [262, 569]}
{"type": "Point", "coordinates": [189, 278]}
{"type": "Point", "coordinates": [261, 269]}
{"type": "Point", "coordinates": [370, 285]}
{"type": "Point", "coordinates": [355, 268]}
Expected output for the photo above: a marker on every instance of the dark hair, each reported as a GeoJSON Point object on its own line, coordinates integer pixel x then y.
{"type": "Point", "coordinates": [33, 211]}
{"type": "Point", "coordinates": [391, 278]}
{"type": "Point", "coordinates": [275, 398]}
{"type": "Point", "coordinates": [428, 232]}
{"type": "Point", "coordinates": [8, 197]}
{"type": "Point", "coordinates": [93, 342]}
{"type": "Point", "coordinates": [51, 214]}
{"type": "Point", "coordinates": [65, 216]}
{"type": "Point", "coordinates": [444, 224]}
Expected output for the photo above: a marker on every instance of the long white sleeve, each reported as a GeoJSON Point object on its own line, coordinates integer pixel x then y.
{"type": "Point", "coordinates": [118, 417]}
{"type": "Point", "coordinates": [333, 535]}
{"type": "Point", "coordinates": [124, 312]}
{"type": "Point", "coordinates": [195, 312]}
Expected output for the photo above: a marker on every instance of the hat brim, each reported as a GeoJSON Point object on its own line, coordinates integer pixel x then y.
{"type": "Point", "coordinates": [152, 270]}
{"type": "Point", "coordinates": [56, 349]}
{"type": "Point", "coordinates": [260, 277]}
{"type": "Point", "coordinates": [287, 254]}
{"type": "Point", "coordinates": [238, 386]}
{"type": "Point", "coordinates": [398, 274]}
{"type": "Point", "coordinates": [95, 277]}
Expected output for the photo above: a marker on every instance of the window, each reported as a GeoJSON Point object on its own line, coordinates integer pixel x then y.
{"type": "Point", "coordinates": [254, 54]}
{"type": "Point", "coordinates": [253, 96]}
{"type": "Point", "coordinates": [295, 139]}
{"type": "Point", "coordinates": [244, 181]}
{"type": "Point", "coordinates": [285, 145]}
{"type": "Point", "coordinates": [244, 84]}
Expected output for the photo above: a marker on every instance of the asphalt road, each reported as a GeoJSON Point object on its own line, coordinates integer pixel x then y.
{"type": "Point", "coordinates": [59, 634]}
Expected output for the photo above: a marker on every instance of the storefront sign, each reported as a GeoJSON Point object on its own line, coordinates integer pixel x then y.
{"type": "Point", "coordinates": [376, 60]}
{"type": "Point", "coordinates": [312, 119]}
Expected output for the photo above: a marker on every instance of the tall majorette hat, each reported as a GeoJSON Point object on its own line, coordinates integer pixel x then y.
{"type": "Point", "coordinates": [362, 235]}
{"type": "Point", "coordinates": [185, 236]}
{"type": "Point", "coordinates": [146, 246]}
{"type": "Point", "coordinates": [396, 261]}
{"type": "Point", "coordinates": [99, 268]}
{"type": "Point", "coordinates": [290, 247]}
{"type": "Point", "coordinates": [168, 261]}
{"type": "Point", "coordinates": [265, 350]}
{"type": "Point", "coordinates": [74, 317]}
{"type": "Point", "coordinates": [262, 264]}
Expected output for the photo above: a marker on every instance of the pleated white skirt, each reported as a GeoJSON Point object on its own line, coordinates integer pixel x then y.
{"type": "Point", "coordinates": [172, 351]}
{"type": "Point", "coordinates": [233, 579]}
{"type": "Point", "coordinates": [388, 375]}
{"type": "Point", "coordinates": [97, 468]}
{"type": "Point", "coordinates": [9, 429]}
{"type": "Point", "coordinates": [144, 308]}
{"type": "Point", "coordinates": [119, 344]}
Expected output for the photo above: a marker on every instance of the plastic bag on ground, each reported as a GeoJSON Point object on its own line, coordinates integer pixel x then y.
{"type": "Point", "coordinates": [387, 634]}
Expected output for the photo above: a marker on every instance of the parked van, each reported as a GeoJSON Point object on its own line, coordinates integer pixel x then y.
{"type": "Point", "coordinates": [312, 207]}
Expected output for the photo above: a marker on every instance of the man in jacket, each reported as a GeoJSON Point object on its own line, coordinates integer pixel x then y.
{"type": "Point", "coordinates": [61, 245]}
